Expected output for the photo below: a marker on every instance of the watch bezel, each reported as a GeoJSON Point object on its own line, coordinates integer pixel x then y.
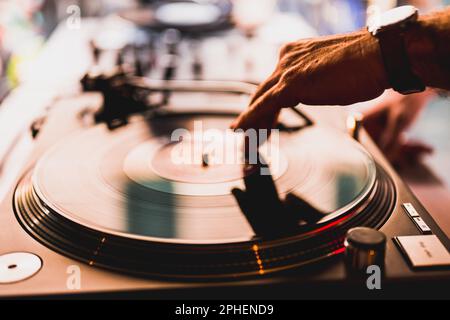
{"type": "Point", "coordinates": [394, 18]}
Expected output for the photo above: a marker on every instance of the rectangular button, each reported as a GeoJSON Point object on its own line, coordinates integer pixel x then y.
{"type": "Point", "coordinates": [424, 251]}
{"type": "Point", "coordinates": [422, 225]}
{"type": "Point", "coordinates": [410, 210]}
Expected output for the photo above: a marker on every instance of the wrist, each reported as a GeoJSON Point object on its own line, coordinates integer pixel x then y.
{"type": "Point", "coordinates": [428, 46]}
{"type": "Point", "coordinates": [374, 59]}
{"type": "Point", "coordinates": [420, 47]}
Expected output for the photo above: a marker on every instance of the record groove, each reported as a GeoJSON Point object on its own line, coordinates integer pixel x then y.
{"type": "Point", "coordinates": [64, 210]}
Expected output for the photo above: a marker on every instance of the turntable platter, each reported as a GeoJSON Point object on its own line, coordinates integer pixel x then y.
{"type": "Point", "coordinates": [125, 182]}
{"type": "Point", "coordinates": [112, 198]}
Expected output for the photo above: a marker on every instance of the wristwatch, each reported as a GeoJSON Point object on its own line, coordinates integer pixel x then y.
{"type": "Point", "coordinates": [389, 28]}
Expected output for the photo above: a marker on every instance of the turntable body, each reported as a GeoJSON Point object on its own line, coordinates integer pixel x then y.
{"type": "Point", "coordinates": [229, 235]}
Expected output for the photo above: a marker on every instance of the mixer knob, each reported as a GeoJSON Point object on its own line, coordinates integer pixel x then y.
{"type": "Point", "coordinates": [364, 247]}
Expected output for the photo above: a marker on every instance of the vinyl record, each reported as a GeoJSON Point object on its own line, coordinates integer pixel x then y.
{"type": "Point", "coordinates": [125, 182]}
{"type": "Point", "coordinates": [118, 199]}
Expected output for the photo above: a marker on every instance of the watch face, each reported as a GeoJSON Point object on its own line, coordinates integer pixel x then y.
{"type": "Point", "coordinates": [392, 18]}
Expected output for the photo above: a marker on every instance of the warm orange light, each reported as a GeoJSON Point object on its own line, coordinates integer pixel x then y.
{"type": "Point", "coordinates": [258, 259]}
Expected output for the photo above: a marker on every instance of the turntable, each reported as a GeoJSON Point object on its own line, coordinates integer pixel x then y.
{"type": "Point", "coordinates": [102, 196]}
{"type": "Point", "coordinates": [189, 17]}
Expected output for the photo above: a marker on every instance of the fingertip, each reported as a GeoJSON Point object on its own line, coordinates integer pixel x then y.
{"type": "Point", "coordinates": [235, 126]}
{"type": "Point", "coordinates": [239, 123]}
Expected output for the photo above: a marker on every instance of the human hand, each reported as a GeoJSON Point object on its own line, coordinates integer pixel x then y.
{"type": "Point", "coordinates": [388, 120]}
{"type": "Point", "coordinates": [333, 70]}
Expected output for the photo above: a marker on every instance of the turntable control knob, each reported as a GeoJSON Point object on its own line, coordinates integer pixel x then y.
{"type": "Point", "coordinates": [364, 247]}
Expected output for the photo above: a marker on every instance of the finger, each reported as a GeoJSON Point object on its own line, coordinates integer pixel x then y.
{"type": "Point", "coordinates": [390, 135]}
{"type": "Point", "coordinates": [413, 106]}
{"type": "Point", "coordinates": [410, 153]}
{"type": "Point", "coordinates": [397, 131]}
{"type": "Point", "coordinates": [252, 120]}
{"type": "Point", "coordinates": [417, 149]}
{"type": "Point", "coordinates": [261, 114]}
{"type": "Point", "coordinates": [276, 75]}
{"type": "Point", "coordinates": [374, 123]}
{"type": "Point", "coordinates": [265, 86]}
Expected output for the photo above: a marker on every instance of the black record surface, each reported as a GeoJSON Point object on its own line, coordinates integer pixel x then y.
{"type": "Point", "coordinates": [118, 199]}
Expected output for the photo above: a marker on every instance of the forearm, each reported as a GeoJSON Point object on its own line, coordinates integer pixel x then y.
{"type": "Point", "coordinates": [345, 69]}
{"type": "Point", "coordinates": [428, 46]}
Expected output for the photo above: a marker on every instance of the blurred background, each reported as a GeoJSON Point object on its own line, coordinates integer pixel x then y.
{"type": "Point", "coordinates": [46, 46]}
{"type": "Point", "coordinates": [25, 25]}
